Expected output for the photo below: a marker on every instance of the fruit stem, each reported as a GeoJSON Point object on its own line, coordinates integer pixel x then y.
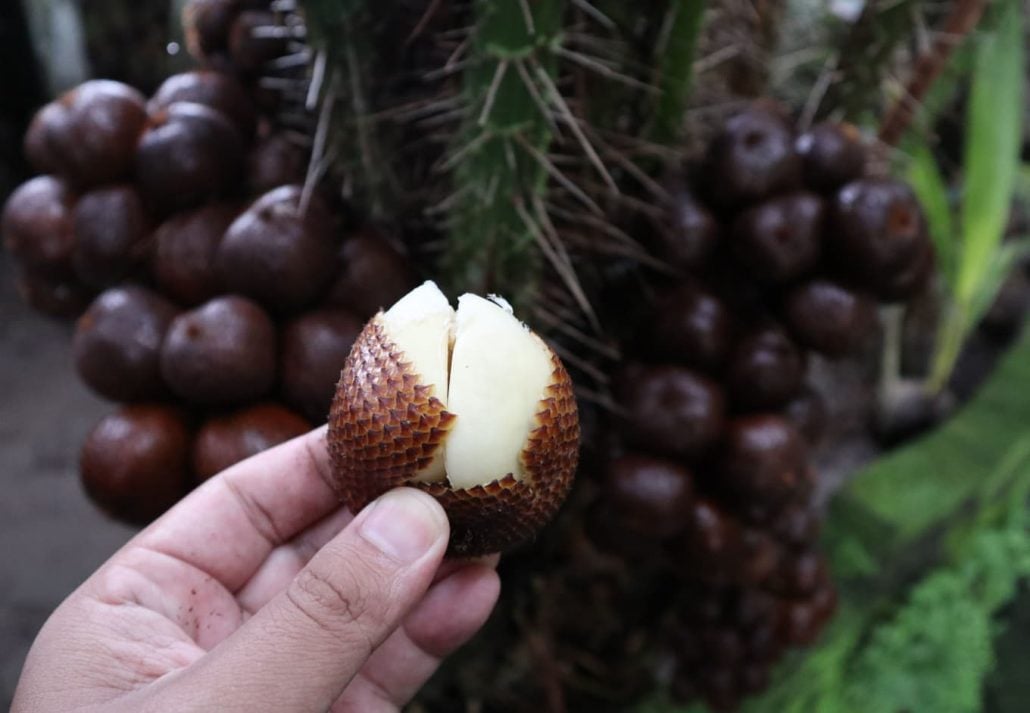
{"type": "Point", "coordinates": [893, 319]}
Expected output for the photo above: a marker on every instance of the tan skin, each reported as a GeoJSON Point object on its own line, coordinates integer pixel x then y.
{"type": "Point", "coordinates": [258, 593]}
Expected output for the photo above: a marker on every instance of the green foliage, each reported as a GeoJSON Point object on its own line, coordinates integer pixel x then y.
{"type": "Point", "coordinates": [675, 62]}
{"type": "Point", "coordinates": [926, 179]}
{"type": "Point", "coordinates": [975, 262]}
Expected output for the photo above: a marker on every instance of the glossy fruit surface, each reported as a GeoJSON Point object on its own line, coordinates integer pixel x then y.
{"type": "Point", "coordinates": [752, 158]}
{"type": "Point", "coordinates": [763, 457]}
{"type": "Point", "coordinates": [280, 252]}
{"type": "Point", "coordinates": [113, 241]}
{"type": "Point", "coordinates": [184, 252]}
{"type": "Point", "coordinates": [780, 240]}
{"type": "Point", "coordinates": [88, 135]}
{"type": "Point", "coordinates": [134, 463]}
{"type": "Point", "coordinates": [223, 441]}
{"type": "Point", "coordinates": [649, 495]}
{"type": "Point", "coordinates": [117, 343]}
{"type": "Point", "coordinates": [314, 347]}
{"type": "Point", "coordinates": [690, 325]}
{"type": "Point", "coordinates": [373, 274]}
{"type": "Point", "coordinates": [188, 154]}
{"type": "Point", "coordinates": [828, 317]}
{"type": "Point", "coordinates": [832, 154]}
{"type": "Point", "coordinates": [39, 228]}
{"type": "Point", "coordinates": [765, 369]}
{"type": "Point", "coordinates": [876, 230]}
{"type": "Point", "coordinates": [223, 352]}
{"type": "Point", "coordinates": [670, 410]}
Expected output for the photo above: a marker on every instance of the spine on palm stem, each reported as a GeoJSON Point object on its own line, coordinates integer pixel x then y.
{"type": "Point", "coordinates": [496, 179]}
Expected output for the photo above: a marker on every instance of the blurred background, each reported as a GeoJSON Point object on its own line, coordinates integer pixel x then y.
{"type": "Point", "coordinates": [918, 423]}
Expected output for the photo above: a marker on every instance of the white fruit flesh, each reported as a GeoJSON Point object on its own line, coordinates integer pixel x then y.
{"type": "Point", "coordinates": [499, 373]}
{"type": "Point", "coordinates": [421, 326]}
{"type": "Point", "coordinates": [488, 369]}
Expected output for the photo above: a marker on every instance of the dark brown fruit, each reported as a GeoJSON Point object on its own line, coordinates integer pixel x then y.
{"type": "Point", "coordinates": [752, 158]}
{"type": "Point", "coordinates": [832, 155]}
{"type": "Point", "coordinates": [691, 326]}
{"type": "Point", "coordinates": [275, 161]}
{"type": "Point", "coordinates": [184, 252]}
{"type": "Point", "coordinates": [117, 343]}
{"type": "Point", "coordinates": [876, 231]}
{"type": "Point", "coordinates": [906, 284]}
{"type": "Point", "coordinates": [188, 154]}
{"type": "Point", "coordinates": [762, 556]}
{"type": "Point", "coordinates": [765, 370]}
{"type": "Point", "coordinates": [112, 236]}
{"type": "Point", "coordinates": [38, 228]}
{"type": "Point", "coordinates": [251, 47]}
{"type": "Point", "coordinates": [670, 410]}
{"type": "Point", "coordinates": [223, 441]}
{"type": "Point", "coordinates": [689, 233]}
{"type": "Point", "coordinates": [649, 496]}
{"type": "Point", "coordinates": [754, 608]}
{"type": "Point", "coordinates": [374, 274]}
{"type": "Point", "coordinates": [715, 539]}
{"type": "Point", "coordinates": [88, 135]}
{"type": "Point", "coordinates": [808, 413]}
{"type": "Point", "coordinates": [61, 298]}
{"type": "Point", "coordinates": [797, 524]}
{"type": "Point", "coordinates": [829, 318]}
{"type": "Point", "coordinates": [800, 622]}
{"type": "Point", "coordinates": [763, 457]}
{"type": "Point", "coordinates": [779, 240]}
{"type": "Point", "coordinates": [134, 464]}
{"type": "Point", "coordinates": [278, 255]}
{"type": "Point", "coordinates": [801, 574]}
{"type": "Point", "coordinates": [36, 143]}
{"type": "Point", "coordinates": [216, 90]}
{"type": "Point", "coordinates": [313, 350]}
{"type": "Point", "coordinates": [222, 352]}
{"type": "Point", "coordinates": [206, 24]}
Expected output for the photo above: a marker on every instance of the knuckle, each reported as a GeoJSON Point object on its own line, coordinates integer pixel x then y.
{"type": "Point", "coordinates": [332, 603]}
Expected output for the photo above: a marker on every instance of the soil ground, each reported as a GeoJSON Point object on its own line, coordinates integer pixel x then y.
{"type": "Point", "coordinates": [51, 538]}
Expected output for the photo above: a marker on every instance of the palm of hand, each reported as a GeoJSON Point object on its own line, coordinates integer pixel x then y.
{"type": "Point", "coordinates": [167, 622]}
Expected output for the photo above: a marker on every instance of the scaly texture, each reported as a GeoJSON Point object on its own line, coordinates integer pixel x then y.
{"type": "Point", "coordinates": [385, 425]}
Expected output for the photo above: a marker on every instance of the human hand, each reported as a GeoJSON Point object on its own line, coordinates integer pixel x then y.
{"type": "Point", "coordinates": [258, 593]}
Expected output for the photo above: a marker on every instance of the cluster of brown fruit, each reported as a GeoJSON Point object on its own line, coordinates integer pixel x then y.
{"type": "Point", "coordinates": [218, 298]}
{"type": "Point", "coordinates": [784, 246]}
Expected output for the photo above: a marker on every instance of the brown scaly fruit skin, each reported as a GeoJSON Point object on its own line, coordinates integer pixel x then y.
{"type": "Point", "coordinates": [384, 426]}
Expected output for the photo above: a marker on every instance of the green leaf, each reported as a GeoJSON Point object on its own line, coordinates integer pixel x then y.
{"type": "Point", "coordinates": [992, 147]}
{"type": "Point", "coordinates": [1004, 259]}
{"type": "Point", "coordinates": [676, 66]}
{"type": "Point", "coordinates": [918, 487]}
{"type": "Point", "coordinates": [931, 656]}
{"type": "Point", "coordinates": [925, 176]}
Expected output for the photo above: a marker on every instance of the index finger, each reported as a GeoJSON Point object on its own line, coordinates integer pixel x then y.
{"type": "Point", "coordinates": [228, 526]}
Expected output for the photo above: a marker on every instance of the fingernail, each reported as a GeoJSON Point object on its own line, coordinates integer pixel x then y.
{"type": "Point", "coordinates": [403, 525]}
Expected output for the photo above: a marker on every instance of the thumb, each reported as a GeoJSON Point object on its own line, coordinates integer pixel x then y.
{"type": "Point", "coordinates": [300, 651]}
